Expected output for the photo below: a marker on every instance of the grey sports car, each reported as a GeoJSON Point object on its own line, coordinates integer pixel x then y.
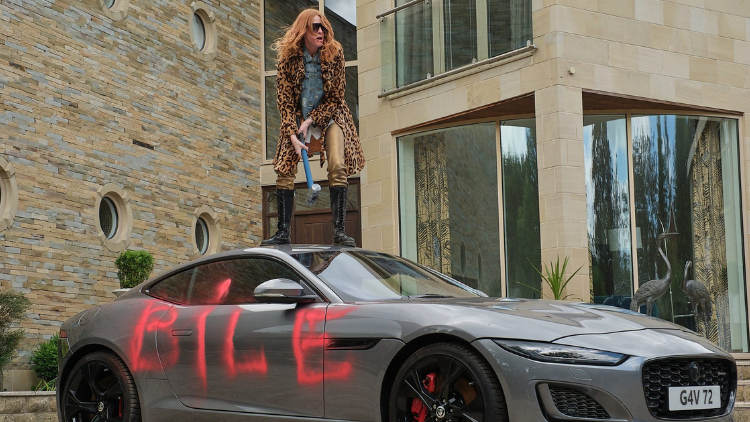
{"type": "Point", "coordinates": [314, 333]}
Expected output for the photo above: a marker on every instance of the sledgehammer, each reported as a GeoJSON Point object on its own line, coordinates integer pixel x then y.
{"type": "Point", "coordinates": [313, 189]}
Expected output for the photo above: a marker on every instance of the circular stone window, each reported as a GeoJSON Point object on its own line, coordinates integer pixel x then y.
{"type": "Point", "coordinates": [206, 231]}
{"type": "Point", "coordinates": [203, 32]}
{"type": "Point", "coordinates": [8, 194]}
{"type": "Point", "coordinates": [114, 217]}
{"type": "Point", "coordinates": [108, 217]}
{"type": "Point", "coordinates": [199, 32]}
{"type": "Point", "coordinates": [201, 235]}
{"type": "Point", "coordinates": [115, 9]}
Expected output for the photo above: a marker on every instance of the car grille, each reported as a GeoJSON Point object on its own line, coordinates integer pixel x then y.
{"type": "Point", "coordinates": [576, 404]}
{"type": "Point", "coordinates": [659, 375]}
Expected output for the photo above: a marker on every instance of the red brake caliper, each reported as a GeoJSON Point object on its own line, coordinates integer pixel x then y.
{"type": "Point", "coordinates": [418, 409]}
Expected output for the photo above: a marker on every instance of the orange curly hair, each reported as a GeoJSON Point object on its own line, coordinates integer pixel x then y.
{"type": "Point", "coordinates": [294, 38]}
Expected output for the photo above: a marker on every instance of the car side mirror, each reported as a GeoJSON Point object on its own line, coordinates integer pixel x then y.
{"type": "Point", "coordinates": [282, 290]}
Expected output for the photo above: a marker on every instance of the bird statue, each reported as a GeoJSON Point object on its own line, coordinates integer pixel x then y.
{"type": "Point", "coordinates": [653, 289]}
{"type": "Point", "coordinates": [699, 297]}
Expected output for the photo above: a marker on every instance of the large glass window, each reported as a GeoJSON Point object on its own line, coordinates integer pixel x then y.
{"type": "Point", "coordinates": [521, 207]}
{"type": "Point", "coordinates": [608, 208]}
{"type": "Point", "coordinates": [426, 39]}
{"type": "Point", "coordinates": [687, 232]}
{"type": "Point", "coordinates": [278, 15]}
{"type": "Point", "coordinates": [686, 179]}
{"type": "Point", "coordinates": [449, 199]}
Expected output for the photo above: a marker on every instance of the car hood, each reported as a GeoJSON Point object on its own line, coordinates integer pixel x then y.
{"type": "Point", "coordinates": [473, 318]}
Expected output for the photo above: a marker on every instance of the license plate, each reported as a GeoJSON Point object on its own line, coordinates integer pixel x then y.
{"type": "Point", "coordinates": [694, 398]}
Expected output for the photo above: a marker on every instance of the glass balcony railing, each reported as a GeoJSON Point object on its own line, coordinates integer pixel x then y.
{"type": "Point", "coordinates": [421, 39]}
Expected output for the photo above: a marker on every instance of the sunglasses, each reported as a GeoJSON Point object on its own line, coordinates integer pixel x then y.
{"type": "Point", "coordinates": [317, 27]}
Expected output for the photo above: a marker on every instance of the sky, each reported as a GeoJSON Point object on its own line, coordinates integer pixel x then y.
{"type": "Point", "coordinates": [347, 9]}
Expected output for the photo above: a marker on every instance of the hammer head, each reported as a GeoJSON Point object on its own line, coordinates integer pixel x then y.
{"type": "Point", "coordinates": [313, 194]}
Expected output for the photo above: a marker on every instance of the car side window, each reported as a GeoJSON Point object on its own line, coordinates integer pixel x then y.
{"type": "Point", "coordinates": [234, 281]}
{"type": "Point", "coordinates": [175, 288]}
{"type": "Point", "coordinates": [228, 282]}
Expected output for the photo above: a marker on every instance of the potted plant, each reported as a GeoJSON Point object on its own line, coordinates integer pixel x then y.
{"type": "Point", "coordinates": [13, 307]}
{"type": "Point", "coordinates": [133, 268]}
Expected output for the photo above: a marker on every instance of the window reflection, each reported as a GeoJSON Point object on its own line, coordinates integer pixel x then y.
{"type": "Point", "coordinates": [343, 17]}
{"type": "Point", "coordinates": [521, 207]}
{"type": "Point", "coordinates": [608, 208]}
{"type": "Point", "coordinates": [448, 196]}
{"type": "Point", "coordinates": [686, 167]}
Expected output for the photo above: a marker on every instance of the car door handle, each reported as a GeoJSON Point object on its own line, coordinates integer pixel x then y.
{"type": "Point", "coordinates": [184, 333]}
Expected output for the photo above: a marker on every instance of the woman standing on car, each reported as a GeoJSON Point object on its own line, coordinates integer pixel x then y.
{"type": "Point", "coordinates": [311, 82]}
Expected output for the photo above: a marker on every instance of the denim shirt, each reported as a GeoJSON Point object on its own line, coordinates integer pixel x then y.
{"type": "Point", "coordinates": [312, 85]}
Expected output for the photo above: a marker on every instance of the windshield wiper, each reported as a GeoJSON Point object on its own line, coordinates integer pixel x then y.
{"type": "Point", "coordinates": [428, 296]}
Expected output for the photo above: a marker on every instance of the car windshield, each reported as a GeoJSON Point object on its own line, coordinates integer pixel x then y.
{"type": "Point", "coordinates": [358, 275]}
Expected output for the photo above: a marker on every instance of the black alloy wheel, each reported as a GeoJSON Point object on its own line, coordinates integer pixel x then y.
{"type": "Point", "coordinates": [100, 389]}
{"type": "Point", "coordinates": [446, 382]}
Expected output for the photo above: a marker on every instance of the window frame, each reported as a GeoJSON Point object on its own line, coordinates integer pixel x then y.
{"type": "Point", "coordinates": [391, 89]}
{"type": "Point", "coordinates": [501, 203]}
{"type": "Point", "coordinates": [272, 73]}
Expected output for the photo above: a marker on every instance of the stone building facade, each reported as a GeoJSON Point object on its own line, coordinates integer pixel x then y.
{"type": "Point", "coordinates": [619, 129]}
{"type": "Point", "coordinates": [122, 125]}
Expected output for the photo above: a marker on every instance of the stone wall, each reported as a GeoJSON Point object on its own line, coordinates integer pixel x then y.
{"type": "Point", "coordinates": [89, 101]}
{"type": "Point", "coordinates": [28, 407]}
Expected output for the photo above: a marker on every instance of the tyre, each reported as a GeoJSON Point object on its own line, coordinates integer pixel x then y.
{"type": "Point", "coordinates": [446, 382]}
{"type": "Point", "coordinates": [100, 388]}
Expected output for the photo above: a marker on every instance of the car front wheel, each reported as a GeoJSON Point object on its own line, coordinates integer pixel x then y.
{"type": "Point", "coordinates": [446, 382]}
{"type": "Point", "coordinates": [100, 388]}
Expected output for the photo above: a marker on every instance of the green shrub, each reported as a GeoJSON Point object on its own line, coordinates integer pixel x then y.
{"type": "Point", "coordinates": [44, 360]}
{"type": "Point", "coordinates": [133, 268]}
{"type": "Point", "coordinates": [13, 307]}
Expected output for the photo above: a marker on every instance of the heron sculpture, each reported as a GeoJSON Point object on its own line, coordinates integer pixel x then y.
{"type": "Point", "coordinates": [699, 297]}
{"type": "Point", "coordinates": [653, 289]}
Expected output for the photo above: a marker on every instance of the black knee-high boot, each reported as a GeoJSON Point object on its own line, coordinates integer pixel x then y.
{"type": "Point", "coordinates": [338, 207]}
{"type": "Point", "coordinates": [285, 201]}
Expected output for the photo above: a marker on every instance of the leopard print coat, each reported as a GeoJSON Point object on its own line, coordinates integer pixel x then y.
{"type": "Point", "coordinates": [289, 77]}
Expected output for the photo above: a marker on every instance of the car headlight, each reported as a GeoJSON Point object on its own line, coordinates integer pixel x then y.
{"type": "Point", "coordinates": [559, 353]}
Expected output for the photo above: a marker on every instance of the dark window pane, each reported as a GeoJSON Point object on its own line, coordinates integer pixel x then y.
{"type": "Point", "coordinates": [343, 17]}
{"type": "Point", "coordinates": [278, 16]}
{"type": "Point", "coordinates": [608, 206]}
{"type": "Point", "coordinates": [352, 93]}
{"type": "Point", "coordinates": [414, 44]}
{"type": "Point", "coordinates": [273, 120]}
{"type": "Point", "coordinates": [460, 32]}
{"type": "Point", "coordinates": [509, 25]}
{"type": "Point", "coordinates": [175, 288]}
{"type": "Point", "coordinates": [521, 207]}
